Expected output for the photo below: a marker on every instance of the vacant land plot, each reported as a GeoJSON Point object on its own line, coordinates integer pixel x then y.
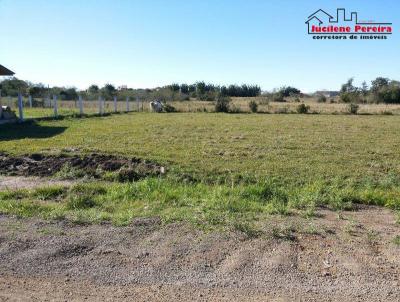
{"type": "Point", "coordinates": [289, 146]}
{"type": "Point", "coordinates": [142, 198]}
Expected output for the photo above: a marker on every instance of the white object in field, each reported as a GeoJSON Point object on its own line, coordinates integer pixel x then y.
{"type": "Point", "coordinates": [127, 104]}
{"type": "Point", "coordinates": [55, 105]}
{"type": "Point", "coordinates": [115, 104]}
{"type": "Point", "coordinates": [30, 101]}
{"type": "Point", "coordinates": [80, 105]}
{"type": "Point", "coordinates": [156, 106]}
{"type": "Point", "coordinates": [20, 107]}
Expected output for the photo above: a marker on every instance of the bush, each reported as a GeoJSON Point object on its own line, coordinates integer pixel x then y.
{"type": "Point", "coordinates": [350, 97]}
{"type": "Point", "coordinates": [222, 104]}
{"type": "Point", "coordinates": [278, 97]}
{"type": "Point", "coordinates": [321, 99]}
{"type": "Point", "coordinates": [253, 106]}
{"type": "Point", "coordinates": [169, 108]}
{"type": "Point", "coordinates": [302, 109]}
{"type": "Point", "coordinates": [353, 108]}
{"type": "Point", "coordinates": [389, 94]}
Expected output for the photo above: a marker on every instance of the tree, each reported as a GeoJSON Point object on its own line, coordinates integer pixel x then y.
{"type": "Point", "coordinates": [389, 94]}
{"type": "Point", "coordinates": [200, 88]}
{"type": "Point", "coordinates": [69, 94]}
{"type": "Point", "coordinates": [108, 91]}
{"type": "Point", "coordinates": [93, 89]}
{"type": "Point", "coordinates": [349, 93]}
{"type": "Point", "coordinates": [289, 91]}
{"type": "Point", "coordinates": [348, 86]}
{"type": "Point", "coordinates": [379, 83]}
{"type": "Point", "coordinates": [364, 88]}
{"type": "Point", "coordinates": [185, 88]}
{"type": "Point", "coordinates": [37, 91]}
{"type": "Point", "coordinates": [13, 86]}
{"type": "Point", "coordinates": [174, 87]}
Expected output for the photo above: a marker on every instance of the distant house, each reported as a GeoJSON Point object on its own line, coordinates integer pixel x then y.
{"type": "Point", "coordinates": [5, 72]}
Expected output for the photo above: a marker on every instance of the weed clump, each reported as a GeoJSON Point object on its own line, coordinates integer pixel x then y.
{"type": "Point", "coordinates": [222, 104]}
{"type": "Point", "coordinates": [84, 196]}
{"type": "Point", "coordinates": [49, 193]}
{"type": "Point", "coordinates": [353, 108]}
{"type": "Point", "coordinates": [253, 106]}
{"type": "Point", "coordinates": [302, 109]}
{"type": "Point", "coordinates": [321, 99]}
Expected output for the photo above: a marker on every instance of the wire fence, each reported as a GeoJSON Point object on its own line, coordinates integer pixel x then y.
{"type": "Point", "coordinates": [27, 107]}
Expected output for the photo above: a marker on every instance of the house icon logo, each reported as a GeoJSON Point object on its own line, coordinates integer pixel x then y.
{"type": "Point", "coordinates": [342, 25]}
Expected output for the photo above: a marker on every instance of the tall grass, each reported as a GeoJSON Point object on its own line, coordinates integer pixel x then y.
{"type": "Point", "coordinates": [197, 203]}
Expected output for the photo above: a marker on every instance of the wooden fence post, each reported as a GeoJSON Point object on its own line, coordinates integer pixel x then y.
{"type": "Point", "coordinates": [127, 104]}
{"type": "Point", "coordinates": [30, 101]}
{"type": "Point", "coordinates": [115, 104]}
{"type": "Point", "coordinates": [137, 103]}
{"type": "Point", "coordinates": [80, 105]}
{"type": "Point", "coordinates": [55, 105]}
{"type": "Point", "coordinates": [20, 107]}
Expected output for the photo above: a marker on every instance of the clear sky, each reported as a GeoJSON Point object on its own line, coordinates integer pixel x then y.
{"type": "Point", "coordinates": [156, 42]}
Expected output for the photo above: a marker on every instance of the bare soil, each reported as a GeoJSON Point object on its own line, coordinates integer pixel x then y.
{"type": "Point", "coordinates": [21, 182]}
{"type": "Point", "coordinates": [91, 165]}
{"type": "Point", "coordinates": [347, 256]}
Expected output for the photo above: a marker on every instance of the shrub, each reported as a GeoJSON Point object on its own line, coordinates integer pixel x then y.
{"type": "Point", "coordinates": [222, 103]}
{"type": "Point", "coordinates": [353, 108]}
{"type": "Point", "coordinates": [389, 94]}
{"type": "Point", "coordinates": [169, 108]}
{"type": "Point", "coordinates": [84, 197]}
{"type": "Point", "coordinates": [253, 106]}
{"type": "Point", "coordinates": [350, 97]}
{"type": "Point", "coordinates": [302, 109]}
{"type": "Point", "coordinates": [321, 99]}
{"type": "Point", "coordinates": [278, 97]}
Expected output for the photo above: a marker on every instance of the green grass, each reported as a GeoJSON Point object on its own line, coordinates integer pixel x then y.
{"type": "Point", "coordinates": [292, 147]}
{"type": "Point", "coordinates": [223, 170]}
{"type": "Point", "coordinates": [200, 204]}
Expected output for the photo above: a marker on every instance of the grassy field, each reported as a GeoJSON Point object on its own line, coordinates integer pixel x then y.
{"type": "Point", "coordinates": [332, 106]}
{"type": "Point", "coordinates": [222, 169]}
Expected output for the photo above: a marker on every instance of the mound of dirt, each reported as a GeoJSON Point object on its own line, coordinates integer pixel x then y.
{"type": "Point", "coordinates": [93, 165]}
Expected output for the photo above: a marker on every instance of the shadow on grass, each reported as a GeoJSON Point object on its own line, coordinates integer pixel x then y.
{"type": "Point", "coordinates": [28, 130]}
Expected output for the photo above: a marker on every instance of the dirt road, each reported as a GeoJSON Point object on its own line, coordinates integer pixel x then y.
{"type": "Point", "coordinates": [335, 257]}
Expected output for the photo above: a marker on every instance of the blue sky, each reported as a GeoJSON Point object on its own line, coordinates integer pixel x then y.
{"type": "Point", "coordinates": [154, 42]}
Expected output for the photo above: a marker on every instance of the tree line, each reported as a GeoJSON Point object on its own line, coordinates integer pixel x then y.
{"type": "Point", "coordinates": [200, 89]}
{"type": "Point", "coordinates": [381, 90]}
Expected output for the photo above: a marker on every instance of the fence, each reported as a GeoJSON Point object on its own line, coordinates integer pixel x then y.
{"type": "Point", "coordinates": [28, 107]}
